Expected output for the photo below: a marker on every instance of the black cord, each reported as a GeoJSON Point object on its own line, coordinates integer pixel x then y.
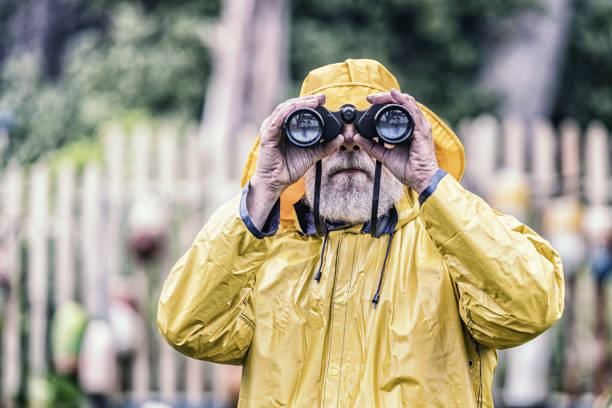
{"type": "Point", "coordinates": [319, 223]}
{"type": "Point", "coordinates": [375, 195]}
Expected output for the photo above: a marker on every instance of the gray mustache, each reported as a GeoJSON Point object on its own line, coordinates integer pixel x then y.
{"type": "Point", "coordinates": [352, 161]}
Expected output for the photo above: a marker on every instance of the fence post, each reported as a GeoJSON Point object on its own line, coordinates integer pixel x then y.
{"type": "Point", "coordinates": [140, 156]}
{"type": "Point", "coordinates": [570, 158]}
{"type": "Point", "coordinates": [597, 166]}
{"type": "Point", "coordinates": [166, 153]}
{"type": "Point", "coordinates": [38, 255]}
{"type": "Point", "coordinates": [514, 143]}
{"type": "Point", "coordinates": [11, 194]}
{"type": "Point", "coordinates": [114, 140]}
{"type": "Point", "coordinates": [572, 255]}
{"type": "Point", "coordinates": [481, 145]}
{"type": "Point", "coordinates": [92, 244]}
{"type": "Point", "coordinates": [542, 159]}
{"type": "Point", "coordinates": [64, 282]}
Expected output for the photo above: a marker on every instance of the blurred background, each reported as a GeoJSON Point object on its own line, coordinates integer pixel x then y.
{"type": "Point", "coordinates": [124, 123]}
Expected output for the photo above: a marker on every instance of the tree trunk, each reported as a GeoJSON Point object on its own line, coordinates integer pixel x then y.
{"type": "Point", "coordinates": [249, 77]}
{"type": "Point", "coordinates": [526, 67]}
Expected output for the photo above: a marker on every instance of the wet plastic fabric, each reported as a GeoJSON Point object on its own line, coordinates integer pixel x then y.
{"type": "Point", "coordinates": [461, 280]}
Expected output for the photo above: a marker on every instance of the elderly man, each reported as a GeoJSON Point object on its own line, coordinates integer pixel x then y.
{"type": "Point", "coordinates": [409, 318]}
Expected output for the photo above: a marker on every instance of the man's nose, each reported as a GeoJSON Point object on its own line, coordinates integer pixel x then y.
{"type": "Point", "coordinates": [349, 131]}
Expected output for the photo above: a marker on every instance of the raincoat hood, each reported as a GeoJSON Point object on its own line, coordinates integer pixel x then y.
{"type": "Point", "coordinates": [350, 82]}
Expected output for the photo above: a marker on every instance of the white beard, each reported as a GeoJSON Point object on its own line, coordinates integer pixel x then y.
{"type": "Point", "coordinates": [347, 197]}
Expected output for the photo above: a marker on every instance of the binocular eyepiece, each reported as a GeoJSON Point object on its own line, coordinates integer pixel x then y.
{"type": "Point", "coordinates": [392, 123]}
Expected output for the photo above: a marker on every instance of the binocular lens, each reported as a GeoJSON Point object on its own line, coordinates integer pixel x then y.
{"type": "Point", "coordinates": [393, 125]}
{"type": "Point", "coordinates": [304, 127]}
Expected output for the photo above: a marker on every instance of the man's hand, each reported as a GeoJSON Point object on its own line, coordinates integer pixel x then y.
{"type": "Point", "coordinates": [281, 163]}
{"type": "Point", "coordinates": [413, 163]}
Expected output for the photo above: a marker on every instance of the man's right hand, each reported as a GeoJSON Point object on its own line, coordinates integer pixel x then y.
{"type": "Point", "coordinates": [281, 163]}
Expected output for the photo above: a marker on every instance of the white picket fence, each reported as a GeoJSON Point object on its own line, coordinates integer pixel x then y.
{"type": "Point", "coordinates": [566, 161]}
{"type": "Point", "coordinates": [74, 227]}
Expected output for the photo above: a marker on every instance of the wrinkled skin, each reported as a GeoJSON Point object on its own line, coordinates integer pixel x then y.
{"type": "Point", "coordinates": [281, 164]}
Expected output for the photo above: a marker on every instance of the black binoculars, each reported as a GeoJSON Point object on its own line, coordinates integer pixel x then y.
{"type": "Point", "coordinates": [392, 123]}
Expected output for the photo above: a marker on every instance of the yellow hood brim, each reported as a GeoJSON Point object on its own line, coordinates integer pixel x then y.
{"type": "Point", "coordinates": [350, 82]}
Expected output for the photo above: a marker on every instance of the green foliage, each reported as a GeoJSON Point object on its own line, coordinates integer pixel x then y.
{"type": "Point", "coordinates": [434, 47]}
{"type": "Point", "coordinates": [80, 153]}
{"type": "Point", "coordinates": [150, 59]}
{"type": "Point", "coordinates": [43, 113]}
{"type": "Point", "coordinates": [152, 62]}
{"type": "Point", "coordinates": [585, 89]}
{"type": "Point", "coordinates": [54, 390]}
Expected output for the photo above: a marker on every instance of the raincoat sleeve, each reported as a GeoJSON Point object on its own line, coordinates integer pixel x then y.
{"type": "Point", "coordinates": [509, 279]}
{"type": "Point", "coordinates": [206, 307]}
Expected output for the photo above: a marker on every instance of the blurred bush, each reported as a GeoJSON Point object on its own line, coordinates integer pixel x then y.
{"type": "Point", "coordinates": [147, 58]}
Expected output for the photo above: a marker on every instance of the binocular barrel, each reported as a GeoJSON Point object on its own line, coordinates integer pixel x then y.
{"type": "Point", "coordinates": [391, 123]}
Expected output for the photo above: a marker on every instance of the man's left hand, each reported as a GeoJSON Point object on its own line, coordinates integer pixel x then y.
{"type": "Point", "coordinates": [413, 163]}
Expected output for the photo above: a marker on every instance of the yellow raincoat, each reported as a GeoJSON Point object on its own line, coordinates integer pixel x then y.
{"type": "Point", "coordinates": [460, 281]}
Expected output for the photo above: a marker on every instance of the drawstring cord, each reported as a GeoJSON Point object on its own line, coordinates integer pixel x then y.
{"type": "Point", "coordinates": [318, 275]}
{"type": "Point", "coordinates": [382, 271]}
{"type": "Point", "coordinates": [376, 297]}
{"type": "Point", "coordinates": [375, 194]}
{"type": "Point", "coordinates": [320, 225]}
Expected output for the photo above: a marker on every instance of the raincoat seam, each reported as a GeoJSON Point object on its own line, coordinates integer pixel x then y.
{"type": "Point", "coordinates": [442, 244]}
{"type": "Point", "coordinates": [282, 234]}
{"type": "Point", "coordinates": [476, 345]}
{"type": "Point", "coordinates": [470, 322]}
{"type": "Point", "coordinates": [331, 314]}
{"type": "Point", "coordinates": [344, 326]}
{"type": "Point", "coordinates": [245, 285]}
{"type": "Point", "coordinates": [217, 261]}
{"type": "Point", "coordinates": [229, 272]}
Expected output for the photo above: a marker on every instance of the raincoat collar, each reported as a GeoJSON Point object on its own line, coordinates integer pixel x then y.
{"type": "Point", "coordinates": [401, 213]}
{"type": "Point", "coordinates": [386, 223]}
